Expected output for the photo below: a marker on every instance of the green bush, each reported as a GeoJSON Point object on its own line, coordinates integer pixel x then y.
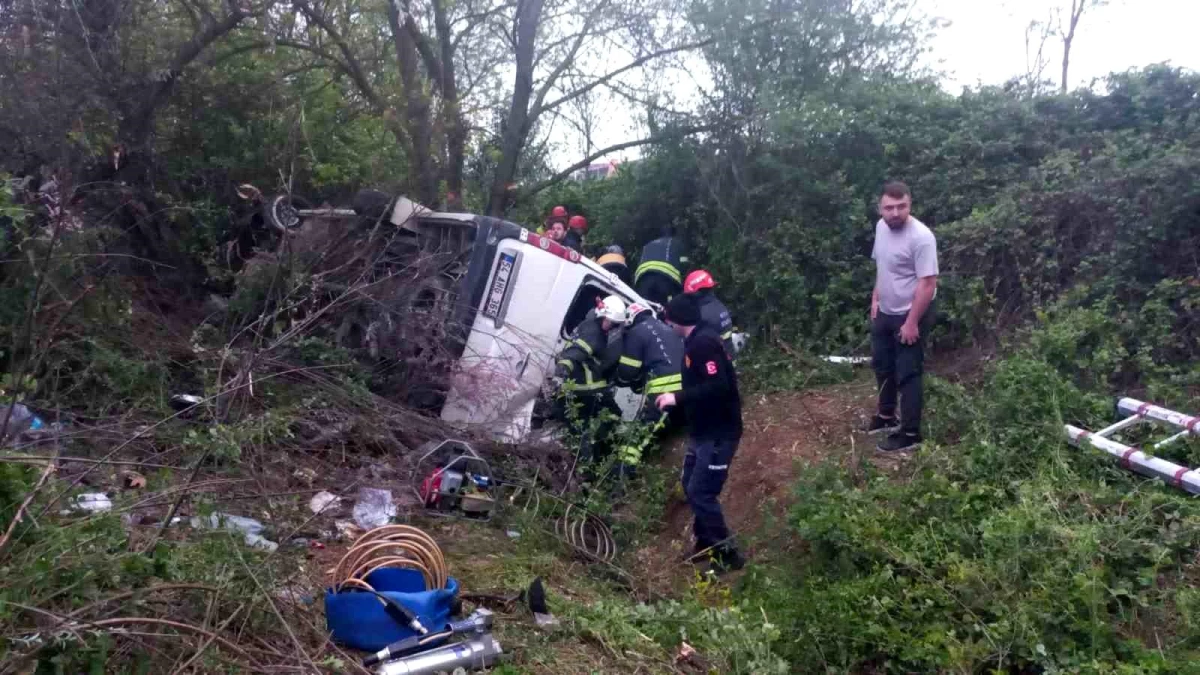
{"type": "Point", "coordinates": [1009, 551]}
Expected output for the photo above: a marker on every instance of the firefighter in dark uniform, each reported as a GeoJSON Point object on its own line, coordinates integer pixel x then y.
{"type": "Point", "coordinates": [713, 408]}
{"type": "Point", "coordinates": [659, 274]}
{"type": "Point", "coordinates": [613, 260]}
{"type": "Point", "coordinates": [576, 227]}
{"type": "Point", "coordinates": [584, 367]}
{"type": "Point", "coordinates": [651, 361]}
{"type": "Point", "coordinates": [713, 313]}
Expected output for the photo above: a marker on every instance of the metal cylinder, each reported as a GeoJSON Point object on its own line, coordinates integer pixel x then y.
{"type": "Point", "coordinates": [1136, 460]}
{"type": "Point", "coordinates": [1132, 406]}
{"type": "Point", "coordinates": [476, 653]}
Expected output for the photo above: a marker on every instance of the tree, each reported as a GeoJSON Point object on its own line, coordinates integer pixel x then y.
{"type": "Point", "coordinates": [1068, 33]}
{"type": "Point", "coordinates": [1037, 34]}
{"type": "Point", "coordinates": [553, 52]}
{"type": "Point", "coordinates": [117, 62]}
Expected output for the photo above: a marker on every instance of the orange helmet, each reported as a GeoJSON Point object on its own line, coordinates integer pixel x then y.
{"type": "Point", "coordinates": [578, 223]}
{"type": "Point", "coordinates": [558, 212]}
{"type": "Point", "coordinates": [698, 280]}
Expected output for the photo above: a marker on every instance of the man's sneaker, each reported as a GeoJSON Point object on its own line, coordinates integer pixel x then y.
{"type": "Point", "coordinates": [899, 442]}
{"type": "Point", "coordinates": [880, 425]}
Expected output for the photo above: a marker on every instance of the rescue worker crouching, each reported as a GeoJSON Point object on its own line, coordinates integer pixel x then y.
{"type": "Point", "coordinates": [651, 361]}
{"type": "Point", "coordinates": [714, 315]}
{"type": "Point", "coordinates": [659, 275]}
{"type": "Point", "coordinates": [584, 366]}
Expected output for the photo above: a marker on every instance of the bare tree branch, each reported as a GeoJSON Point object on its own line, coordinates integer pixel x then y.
{"type": "Point", "coordinates": [583, 163]}
{"type": "Point", "coordinates": [636, 63]}
{"type": "Point", "coordinates": [349, 61]}
{"type": "Point", "coordinates": [568, 59]}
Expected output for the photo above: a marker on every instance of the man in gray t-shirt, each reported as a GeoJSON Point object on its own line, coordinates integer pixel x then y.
{"type": "Point", "coordinates": [902, 312]}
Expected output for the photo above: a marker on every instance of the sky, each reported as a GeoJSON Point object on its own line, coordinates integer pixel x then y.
{"type": "Point", "coordinates": [983, 42]}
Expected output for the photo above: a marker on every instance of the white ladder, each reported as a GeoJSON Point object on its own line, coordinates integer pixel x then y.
{"type": "Point", "coordinates": [1132, 457]}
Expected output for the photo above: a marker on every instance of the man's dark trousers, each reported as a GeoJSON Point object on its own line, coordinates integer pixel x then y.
{"type": "Point", "coordinates": [705, 468]}
{"type": "Point", "coordinates": [899, 367]}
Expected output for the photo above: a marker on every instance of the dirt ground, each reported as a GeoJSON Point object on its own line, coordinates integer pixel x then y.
{"type": "Point", "coordinates": [784, 434]}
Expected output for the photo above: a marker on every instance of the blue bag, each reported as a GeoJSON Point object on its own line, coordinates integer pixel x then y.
{"type": "Point", "coordinates": [357, 619]}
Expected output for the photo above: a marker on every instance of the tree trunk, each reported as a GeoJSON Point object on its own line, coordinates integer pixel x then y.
{"type": "Point", "coordinates": [529, 15]}
{"type": "Point", "coordinates": [1066, 61]}
{"type": "Point", "coordinates": [424, 180]}
{"type": "Point", "coordinates": [455, 126]}
{"type": "Point", "coordinates": [1069, 37]}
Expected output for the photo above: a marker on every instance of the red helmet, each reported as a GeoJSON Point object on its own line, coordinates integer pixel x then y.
{"type": "Point", "coordinates": [698, 280]}
{"type": "Point", "coordinates": [578, 223]}
{"type": "Point", "coordinates": [558, 212]}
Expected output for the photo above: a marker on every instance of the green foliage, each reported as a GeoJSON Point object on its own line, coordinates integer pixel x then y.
{"type": "Point", "coordinates": [1007, 551]}
{"type": "Point", "coordinates": [11, 213]}
{"type": "Point", "coordinates": [226, 442]}
{"type": "Point", "coordinates": [1070, 202]}
{"type": "Point", "coordinates": [764, 369]}
{"type": "Point", "coordinates": [77, 561]}
{"type": "Point", "coordinates": [736, 638]}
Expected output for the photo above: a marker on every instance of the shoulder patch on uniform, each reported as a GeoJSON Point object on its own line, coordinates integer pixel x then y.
{"type": "Point", "coordinates": [711, 367]}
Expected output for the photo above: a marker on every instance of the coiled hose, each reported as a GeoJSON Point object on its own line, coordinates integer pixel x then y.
{"type": "Point", "coordinates": [400, 546]}
{"type": "Point", "coordinates": [576, 527]}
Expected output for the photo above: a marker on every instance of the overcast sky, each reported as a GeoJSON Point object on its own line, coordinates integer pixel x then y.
{"type": "Point", "coordinates": [983, 42]}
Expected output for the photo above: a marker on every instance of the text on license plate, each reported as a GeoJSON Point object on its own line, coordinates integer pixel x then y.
{"type": "Point", "coordinates": [504, 268]}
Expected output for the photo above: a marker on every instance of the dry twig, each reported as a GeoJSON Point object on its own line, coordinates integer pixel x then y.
{"type": "Point", "coordinates": [50, 468]}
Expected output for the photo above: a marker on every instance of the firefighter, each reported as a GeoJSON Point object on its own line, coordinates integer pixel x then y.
{"type": "Point", "coordinates": [613, 260]}
{"type": "Point", "coordinates": [713, 408]}
{"type": "Point", "coordinates": [713, 313]}
{"type": "Point", "coordinates": [576, 227]}
{"type": "Point", "coordinates": [651, 361]}
{"type": "Point", "coordinates": [584, 367]}
{"type": "Point", "coordinates": [658, 276]}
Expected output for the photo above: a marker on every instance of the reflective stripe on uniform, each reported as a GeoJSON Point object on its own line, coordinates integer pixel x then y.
{"type": "Point", "coordinates": [627, 361]}
{"type": "Point", "coordinates": [665, 384]}
{"type": "Point", "coordinates": [568, 363]}
{"type": "Point", "coordinates": [582, 344]}
{"type": "Point", "coordinates": [591, 386]}
{"type": "Point", "coordinates": [658, 266]}
{"type": "Point", "coordinates": [588, 383]}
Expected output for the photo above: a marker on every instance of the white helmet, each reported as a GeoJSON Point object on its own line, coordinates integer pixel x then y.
{"type": "Point", "coordinates": [635, 309]}
{"type": "Point", "coordinates": [613, 309]}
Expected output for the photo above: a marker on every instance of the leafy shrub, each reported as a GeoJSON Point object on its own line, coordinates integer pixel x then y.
{"type": "Point", "coordinates": [1007, 551]}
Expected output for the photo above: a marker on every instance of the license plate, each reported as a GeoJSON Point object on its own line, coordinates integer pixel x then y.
{"type": "Point", "coordinates": [504, 268]}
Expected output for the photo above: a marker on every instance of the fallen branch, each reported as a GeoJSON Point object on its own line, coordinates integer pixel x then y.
{"type": "Point", "coordinates": [208, 643]}
{"type": "Point", "coordinates": [24, 459]}
{"type": "Point", "coordinates": [167, 622]}
{"type": "Point", "coordinates": [25, 504]}
{"type": "Point", "coordinates": [151, 589]}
